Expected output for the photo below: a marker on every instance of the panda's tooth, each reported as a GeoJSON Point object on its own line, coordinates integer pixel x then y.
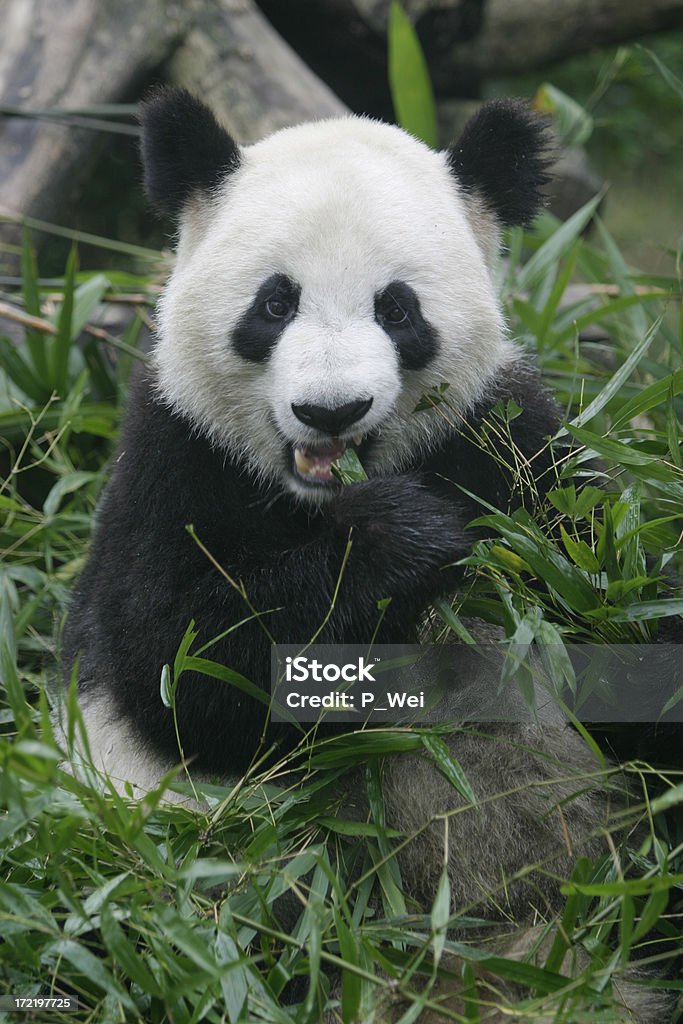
{"type": "Point", "coordinates": [303, 464]}
{"type": "Point", "coordinates": [357, 438]}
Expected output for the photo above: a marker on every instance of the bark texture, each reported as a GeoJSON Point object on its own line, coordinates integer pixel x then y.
{"type": "Point", "coordinates": [75, 54]}
{"type": "Point", "coordinates": [516, 35]}
{"type": "Point", "coordinates": [465, 41]}
{"type": "Point", "coordinates": [235, 60]}
{"type": "Point", "coordinates": [69, 54]}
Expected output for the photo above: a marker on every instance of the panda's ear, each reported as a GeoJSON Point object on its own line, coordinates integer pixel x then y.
{"type": "Point", "coordinates": [503, 156]}
{"type": "Point", "coordinates": [184, 149]}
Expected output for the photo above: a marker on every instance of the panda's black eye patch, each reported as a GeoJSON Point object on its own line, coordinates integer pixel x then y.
{"type": "Point", "coordinates": [273, 307]}
{"type": "Point", "coordinates": [397, 311]}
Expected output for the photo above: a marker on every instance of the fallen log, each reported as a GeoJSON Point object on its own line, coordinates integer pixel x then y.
{"type": "Point", "coordinates": [76, 55]}
{"type": "Point", "coordinates": [235, 60]}
{"type": "Point", "coordinates": [68, 54]}
{"type": "Point", "coordinates": [465, 41]}
{"type": "Point", "coordinates": [513, 36]}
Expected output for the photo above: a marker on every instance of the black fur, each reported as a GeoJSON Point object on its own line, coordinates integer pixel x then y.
{"type": "Point", "coordinates": [503, 156]}
{"type": "Point", "coordinates": [258, 330]}
{"type": "Point", "coordinates": [147, 578]}
{"type": "Point", "coordinates": [184, 149]}
{"type": "Point", "coordinates": [333, 421]}
{"type": "Point", "coordinates": [415, 338]}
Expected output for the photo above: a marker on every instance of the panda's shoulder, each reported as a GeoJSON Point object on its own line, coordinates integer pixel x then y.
{"type": "Point", "coordinates": [165, 474]}
{"type": "Point", "coordinates": [519, 380]}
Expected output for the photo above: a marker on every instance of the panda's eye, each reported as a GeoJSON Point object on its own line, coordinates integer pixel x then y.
{"type": "Point", "coordinates": [278, 307]}
{"type": "Point", "coordinates": [398, 313]}
{"type": "Point", "coordinates": [395, 314]}
{"type": "Point", "coordinates": [394, 304]}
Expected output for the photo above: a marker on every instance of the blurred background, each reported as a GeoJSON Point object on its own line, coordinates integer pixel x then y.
{"type": "Point", "coordinates": [71, 72]}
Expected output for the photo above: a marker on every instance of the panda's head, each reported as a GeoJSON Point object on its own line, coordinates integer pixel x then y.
{"type": "Point", "coordinates": [328, 277]}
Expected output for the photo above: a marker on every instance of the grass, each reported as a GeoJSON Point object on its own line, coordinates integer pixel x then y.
{"type": "Point", "coordinates": [157, 913]}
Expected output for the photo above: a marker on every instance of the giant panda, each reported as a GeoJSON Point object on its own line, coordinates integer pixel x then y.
{"type": "Point", "coordinates": [326, 279]}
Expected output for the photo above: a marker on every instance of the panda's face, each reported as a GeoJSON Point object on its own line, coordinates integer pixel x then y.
{"type": "Point", "coordinates": [331, 280]}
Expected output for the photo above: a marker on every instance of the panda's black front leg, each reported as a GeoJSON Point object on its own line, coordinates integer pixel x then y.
{"type": "Point", "coordinates": [410, 538]}
{"type": "Point", "coordinates": [384, 538]}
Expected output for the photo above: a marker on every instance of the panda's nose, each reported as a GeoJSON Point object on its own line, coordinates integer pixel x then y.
{"type": "Point", "coordinates": [332, 421]}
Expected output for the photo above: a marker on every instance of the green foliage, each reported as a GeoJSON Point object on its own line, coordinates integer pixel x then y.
{"type": "Point", "coordinates": [348, 469]}
{"type": "Point", "coordinates": [158, 913]}
{"type": "Point", "coordinates": [60, 402]}
{"type": "Point", "coordinates": [595, 562]}
{"type": "Point", "coordinates": [411, 87]}
{"type": "Point", "coordinates": [632, 93]}
{"type": "Point", "coordinates": [572, 122]}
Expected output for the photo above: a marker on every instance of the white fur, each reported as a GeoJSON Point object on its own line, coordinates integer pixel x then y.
{"type": "Point", "coordinates": [343, 207]}
{"type": "Point", "coordinates": [116, 749]}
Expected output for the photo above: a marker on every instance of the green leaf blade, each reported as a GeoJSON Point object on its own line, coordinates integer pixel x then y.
{"type": "Point", "coordinates": [411, 88]}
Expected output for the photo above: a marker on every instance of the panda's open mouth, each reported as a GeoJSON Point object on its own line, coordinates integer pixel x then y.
{"type": "Point", "coordinates": [313, 463]}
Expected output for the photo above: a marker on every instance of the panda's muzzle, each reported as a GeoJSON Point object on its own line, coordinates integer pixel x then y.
{"type": "Point", "coordinates": [312, 463]}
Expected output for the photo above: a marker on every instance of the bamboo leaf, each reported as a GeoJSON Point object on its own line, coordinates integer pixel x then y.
{"type": "Point", "coordinates": [67, 484]}
{"type": "Point", "coordinates": [671, 80]}
{"type": "Point", "coordinates": [649, 398]}
{"type": "Point", "coordinates": [411, 88]}
{"type": "Point", "coordinates": [617, 379]}
{"type": "Point", "coordinates": [61, 344]}
{"type": "Point", "coordinates": [559, 243]}
{"type": "Point", "coordinates": [93, 969]}
{"type": "Point", "coordinates": [20, 373]}
{"type": "Point", "coordinates": [350, 982]}
{"type": "Point", "coordinates": [35, 340]}
{"type": "Point", "coordinates": [448, 766]}
{"type": "Point", "coordinates": [226, 675]}
{"type": "Point", "coordinates": [441, 911]}
{"type": "Point", "coordinates": [651, 913]}
{"type": "Point", "coordinates": [598, 314]}
{"type": "Point", "coordinates": [643, 611]}
{"type": "Point", "coordinates": [580, 553]}
{"type": "Point", "coordinates": [547, 563]}
{"type": "Point", "coordinates": [125, 955]}
{"type": "Point", "coordinates": [573, 123]}
{"type": "Point", "coordinates": [453, 621]}
{"type": "Point", "coordinates": [234, 983]}
{"type": "Point", "coordinates": [348, 468]}
{"type": "Point", "coordinates": [617, 451]}
{"type": "Point", "coordinates": [87, 298]}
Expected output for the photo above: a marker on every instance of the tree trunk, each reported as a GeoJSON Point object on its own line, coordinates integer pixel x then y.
{"type": "Point", "coordinates": [520, 34]}
{"type": "Point", "coordinates": [69, 54]}
{"type": "Point", "coordinates": [76, 54]}
{"type": "Point", "coordinates": [467, 40]}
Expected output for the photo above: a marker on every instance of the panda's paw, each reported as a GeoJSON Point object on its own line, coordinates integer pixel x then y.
{"type": "Point", "coordinates": [397, 517]}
